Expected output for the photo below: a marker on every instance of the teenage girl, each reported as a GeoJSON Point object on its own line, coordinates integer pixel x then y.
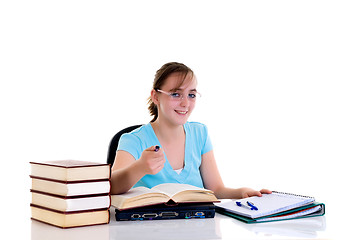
{"type": "Point", "coordinates": [170, 149]}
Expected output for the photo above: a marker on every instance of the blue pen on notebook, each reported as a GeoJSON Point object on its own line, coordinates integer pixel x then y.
{"type": "Point", "coordinates": [252, 206]}
{"type": "Point", "coordinates": [249, 205]}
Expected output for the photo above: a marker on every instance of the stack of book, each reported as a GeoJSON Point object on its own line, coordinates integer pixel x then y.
{"type": "Point", "coordinates": [70, 193]}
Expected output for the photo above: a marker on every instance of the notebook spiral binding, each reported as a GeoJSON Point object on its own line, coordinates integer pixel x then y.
{"type": "Point", "coordinates": [292, 194]}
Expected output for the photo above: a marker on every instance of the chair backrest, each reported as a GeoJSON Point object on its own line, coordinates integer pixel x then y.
{"type": "Point", "coordinates": [112, 148]}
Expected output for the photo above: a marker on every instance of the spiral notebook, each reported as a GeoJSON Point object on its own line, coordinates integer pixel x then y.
{"type": "Point", "coordinates": [277, 205]}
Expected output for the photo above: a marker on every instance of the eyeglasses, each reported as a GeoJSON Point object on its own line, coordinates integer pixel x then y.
{"type": "Point", "coordinates": [179, 96]}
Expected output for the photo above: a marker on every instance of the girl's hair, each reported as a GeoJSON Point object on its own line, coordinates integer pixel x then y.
{"type": "Point", "coordinates": [160, 77]}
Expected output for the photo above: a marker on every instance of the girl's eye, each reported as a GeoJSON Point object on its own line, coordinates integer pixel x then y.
{"type": "Point", "coordinates": [192, 95]}
{"type": "Point", "coordinates": [175, 95]}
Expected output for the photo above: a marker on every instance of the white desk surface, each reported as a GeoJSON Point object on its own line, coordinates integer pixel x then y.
{"type": "Point", "coordinates": [219, 227]}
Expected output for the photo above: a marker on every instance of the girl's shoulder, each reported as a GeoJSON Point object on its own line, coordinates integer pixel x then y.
{"type": "Point", "coordinates": [137, 140]}
{"type": "Point", "coordinates": [138, 133]}
{"type": "Point", "coordinates": [196, 127]}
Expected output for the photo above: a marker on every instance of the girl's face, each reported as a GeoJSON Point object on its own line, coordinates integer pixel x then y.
{"type": "Point", "coordinates": [175, 104]}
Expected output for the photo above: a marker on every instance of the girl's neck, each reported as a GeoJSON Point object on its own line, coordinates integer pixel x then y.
{"type": "Point", "coordinates": [167, 132]}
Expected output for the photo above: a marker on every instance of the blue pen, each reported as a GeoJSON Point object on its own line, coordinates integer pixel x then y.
{"type": "Point", "coordinates": [250, 205]}
{"type": "Point", "coordinates": [239, 204]}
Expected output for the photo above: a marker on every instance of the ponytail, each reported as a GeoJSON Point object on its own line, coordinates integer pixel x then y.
{"type": "Point", "coordinates": [152, 107]}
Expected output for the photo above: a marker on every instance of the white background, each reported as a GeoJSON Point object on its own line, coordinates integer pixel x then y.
{"type": "Point", "coordinates": [279, 81]}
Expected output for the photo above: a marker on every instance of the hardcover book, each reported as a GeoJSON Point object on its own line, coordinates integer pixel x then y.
{"type": "Point", "coordinates": [170, 193]}
{"type": "Point", "coordinates": [70, 170]}
{"type": "Point", "coordinates": [70, 204]}
{"type": "Point", "coordinates": [70, 188]}
{"type": "Point", "coordinates": [69, 220]}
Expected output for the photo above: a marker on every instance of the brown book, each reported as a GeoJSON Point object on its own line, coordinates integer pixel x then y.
{"type": "Point", "coordinates": [70, 188]}
{"type": "Point", "coordinates": [71, 203]}
{"type": "Point", "coordinates": [162, 193]}
{"type": "Point", "coordinates": [69, 220]}
{"type": "Point", "coordinates": [70, 170]}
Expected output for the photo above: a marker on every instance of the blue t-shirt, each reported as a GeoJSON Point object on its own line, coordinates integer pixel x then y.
{"type": "Point", "coordinates": [197, 144]}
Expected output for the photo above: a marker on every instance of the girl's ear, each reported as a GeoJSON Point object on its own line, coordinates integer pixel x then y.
{"type": "Point", "coordinates": [154, 96]}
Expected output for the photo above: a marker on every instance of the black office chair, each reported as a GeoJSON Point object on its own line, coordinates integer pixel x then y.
{"type": "Point", "coordinates": [112, 148]}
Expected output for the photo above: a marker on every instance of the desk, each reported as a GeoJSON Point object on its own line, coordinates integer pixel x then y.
{"type": "Point", "coordinates": [219, 227]}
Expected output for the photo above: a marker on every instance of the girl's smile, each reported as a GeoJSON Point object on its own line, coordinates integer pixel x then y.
{"type": "Point", "coordinates": [181, 112]}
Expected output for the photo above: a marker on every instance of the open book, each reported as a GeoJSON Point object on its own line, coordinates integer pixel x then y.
{"type": "Point", "coordinates": [163, 193]}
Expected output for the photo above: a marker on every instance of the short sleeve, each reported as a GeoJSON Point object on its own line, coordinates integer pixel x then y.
{"type": "Point", "coordinates": [130, 143]}
{"type": "Point", "coordinates": [207, 146]}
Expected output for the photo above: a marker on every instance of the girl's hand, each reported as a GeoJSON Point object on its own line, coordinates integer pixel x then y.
{"type": "Point", "coordinates": [152, 160]}
{"type": "Point", "coordinates": [248, 192]}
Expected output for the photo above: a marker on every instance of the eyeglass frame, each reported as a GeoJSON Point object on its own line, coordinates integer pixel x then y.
{"type": "Point", "coordinates": [181, 96]}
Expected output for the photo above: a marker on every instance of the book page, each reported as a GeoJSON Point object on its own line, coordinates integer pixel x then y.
{"type": "Point", "coordinates": [172, 189]}
{"type": "Point", "coordinates": [136, 197]}
{"type": "Point", "coordinates": [137, 191]}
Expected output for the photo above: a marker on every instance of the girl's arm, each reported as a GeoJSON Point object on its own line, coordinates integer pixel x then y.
{"type": "Point", "coordinates": [212, 180]}
{"type": "Point", "coordinates": [126, 171]}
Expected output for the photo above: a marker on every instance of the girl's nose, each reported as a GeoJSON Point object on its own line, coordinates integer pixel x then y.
{"type": "Point", "coordinates": [184, 101]}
